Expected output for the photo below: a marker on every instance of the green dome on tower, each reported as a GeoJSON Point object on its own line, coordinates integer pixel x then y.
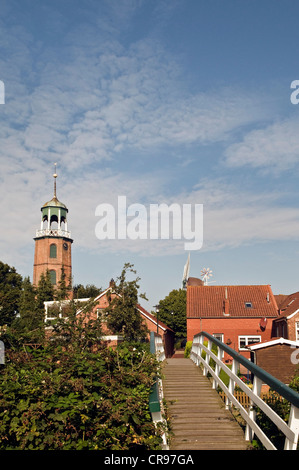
{"type": "Point", "coordinates": [54, 213]}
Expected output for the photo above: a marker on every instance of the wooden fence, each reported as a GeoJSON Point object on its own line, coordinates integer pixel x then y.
{"type": "Point", "coordinates": [244, 399]}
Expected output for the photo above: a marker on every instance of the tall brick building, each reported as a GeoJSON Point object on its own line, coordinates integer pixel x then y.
{"type": "Point", "coordinates": [53, 242]}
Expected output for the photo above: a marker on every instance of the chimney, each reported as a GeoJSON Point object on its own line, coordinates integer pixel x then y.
{"type": "Point", "coordinates": [226, 304]}
{"type": "Point", "coordinates": [112, 283]}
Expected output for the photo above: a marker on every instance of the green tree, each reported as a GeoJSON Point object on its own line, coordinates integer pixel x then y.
{"type": "Point", "coordinates": [172, 311]}
{"type": "Point", "coordinates": [29, 326]}
{"type": "Point", "coordinates": [10, 289]}
{"type": "Point", "coordinates": [89, 291]}
{"type": "Point", "coordinates": [62, 290]}
{"type": "Point", "coordinates": [45, 290]}
{"type": "Point", "coordinates": [123, 316]}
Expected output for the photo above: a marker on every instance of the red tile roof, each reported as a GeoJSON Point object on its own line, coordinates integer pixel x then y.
{"type": "Point", "coordinates": [208, 301]}
{"type": "Point", "coordinates": [153, 318]}
{"type": "Point", "coordinates": [289, 304]}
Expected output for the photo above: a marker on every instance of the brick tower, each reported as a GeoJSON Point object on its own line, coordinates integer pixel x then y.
{"type": "Point", "coordinates": [53, 242]}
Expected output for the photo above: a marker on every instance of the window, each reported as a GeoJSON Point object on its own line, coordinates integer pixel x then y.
{"type": "Point", "coordinates": [102, 315]}
{"type": "Point", "coordinates": [53, 251]}
{"type": "Point", "coordinates": [248, 304]}
{"type": "Point", "coordinates": [245, 341]}
{"type": "Point", "coordinates": [297, 330]}
{"type": "Point", "coordinates": [53, 276]}
{"type": "Point", "coordinates": [218, 336]}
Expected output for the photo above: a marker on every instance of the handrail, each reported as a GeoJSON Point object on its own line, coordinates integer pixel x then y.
{"type": "Point", "coordinates": [291, 430]}
{"type": "Point", "coordinates": [285, 391]}
{"type": "Point", "coordinates": [156, 395]}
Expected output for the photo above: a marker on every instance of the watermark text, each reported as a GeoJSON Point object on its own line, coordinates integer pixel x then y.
{"type": "Point", "coordinates": [158, 221]}
{"type": "Point", "coordinates": [2, 92]}
{"type": "Point", "coordinates": [295, 94]}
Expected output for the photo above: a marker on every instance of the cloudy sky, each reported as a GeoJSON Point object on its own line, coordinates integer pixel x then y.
{"type": "Point", "coordinates": [161, 101]}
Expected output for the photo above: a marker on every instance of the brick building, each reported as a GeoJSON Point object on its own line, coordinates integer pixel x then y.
{"type": "Point", "coordinates": [98, 311]}
{"type": "Point", "coordinates": [287, 323]}
{"type": "Point", "coordinates": [237, 315]}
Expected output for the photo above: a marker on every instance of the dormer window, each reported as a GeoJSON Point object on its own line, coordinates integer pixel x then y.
{"type": "Point", "coordinates": [248, 304]}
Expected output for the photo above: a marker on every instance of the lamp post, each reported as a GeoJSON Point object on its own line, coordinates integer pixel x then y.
{"type": "Point", "coordinates": [157, 307]}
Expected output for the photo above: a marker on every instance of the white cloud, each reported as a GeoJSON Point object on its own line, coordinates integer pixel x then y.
{"type": "Point", "coordinates": [273, 148]}
{"type": "Point", "coordinates": [90, 106]}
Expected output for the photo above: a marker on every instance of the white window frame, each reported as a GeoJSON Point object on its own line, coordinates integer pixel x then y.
{"type": "Point", "coordinates": [247, 341]}
{"type": "Point", "coordinates": [101, 314]}
{"type": "Point", "coordinates": [219, 336]}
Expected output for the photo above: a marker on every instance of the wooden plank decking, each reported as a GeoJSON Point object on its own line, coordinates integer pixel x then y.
{"type": "Point", "coordinates": [198, 415]}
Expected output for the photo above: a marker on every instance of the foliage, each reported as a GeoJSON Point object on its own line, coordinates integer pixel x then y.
{"type": "Point", "coordinates": [63, 289]}
{"type": "Point", "coordinates": [188, 348]}
{"type": "Point", "coordinates": [295, 381]}
{"type": "Point", "coordinates": [123, 315]}
{"type": "Point", "coordinates": [72, 392]}
{"type": "Point", "coordinates": [77, 397]}
{"type": "Point", "coordinates": [28, 326]}
{"type": "Point", "coordinates": [10, 289]}
{"type": "Point", "coordinates": [45, 290]}
{"type": "Point", "coordinates": [282, 408]}
{"type": "Point", "coordinates": [172, 311]}
{"type": "Point", "coordinates": [89, 291]}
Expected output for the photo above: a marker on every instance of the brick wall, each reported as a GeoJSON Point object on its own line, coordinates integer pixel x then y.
{"type": "Point", "coordinates": [168, 337]}
{"type": "Point", "coordinates": [231, 328]}
{"type": "Point", "coordinates": [276, 360]}
{"type": "Point", "coordinates": [292, 327]}
{"type": "Point", "coordinates": [42, 260]}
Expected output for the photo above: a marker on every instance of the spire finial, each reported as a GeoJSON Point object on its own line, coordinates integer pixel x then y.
{"type": "Point", "coordinates": [55, 176]}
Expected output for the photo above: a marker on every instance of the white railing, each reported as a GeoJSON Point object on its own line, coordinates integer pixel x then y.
{"type": "Point", "coordinates": [290, 430]}
{"type": "Point", "coordinates": [156, 396]}
{"type": "Point", "coordinates": [48, 232]}
{"type": "Point", "coordinates": [159, 348]}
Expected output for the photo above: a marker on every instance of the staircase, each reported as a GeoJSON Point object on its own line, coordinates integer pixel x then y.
{"type": "Point", "coordinates": [199, 420]}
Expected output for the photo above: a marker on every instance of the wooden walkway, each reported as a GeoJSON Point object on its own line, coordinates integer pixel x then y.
{"type": "Point", "coordinates": [198, 416]}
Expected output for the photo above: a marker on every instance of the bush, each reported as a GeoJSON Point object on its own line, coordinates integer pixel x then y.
{"type": "Point", "coordinates": [188, 348]}
{"type": "Point", "coordinates": [56, 400]}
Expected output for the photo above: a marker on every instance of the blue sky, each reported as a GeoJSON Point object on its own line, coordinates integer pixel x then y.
{"type": "Point", "coordinates": [162, 101]}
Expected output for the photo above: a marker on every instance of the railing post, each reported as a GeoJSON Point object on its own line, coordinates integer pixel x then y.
{"type": "Point", "coordinates": [205, 370]}
{"type": "Point", "coordinates": [217, 368]}
{"type": "Point", "coordinates": [294, 426]}
{"type": "Point", "coordinates": [257, 387]}
{"type": "Point", "coordinates": [231, 385]}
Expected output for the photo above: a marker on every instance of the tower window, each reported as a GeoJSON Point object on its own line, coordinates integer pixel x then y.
{"type": "Point", "coordinates": [53, 276]}
{"type": "Point", "coordinates": [53, 251]}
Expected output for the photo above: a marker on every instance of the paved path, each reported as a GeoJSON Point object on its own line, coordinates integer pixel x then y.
{"type": "Point", "coordinates": [198, 415]}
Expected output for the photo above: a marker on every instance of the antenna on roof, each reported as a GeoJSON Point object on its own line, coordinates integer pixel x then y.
{"type": "Point", "coordinates": [206, 273]}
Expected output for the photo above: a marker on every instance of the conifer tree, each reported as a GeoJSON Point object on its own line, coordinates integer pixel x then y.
{"type": "Point", "coordinates": [29, 325]}
{"type": "Point", "coordinates": [45, 290]}
{"type": "Point", "coordinates": [62, 289]}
